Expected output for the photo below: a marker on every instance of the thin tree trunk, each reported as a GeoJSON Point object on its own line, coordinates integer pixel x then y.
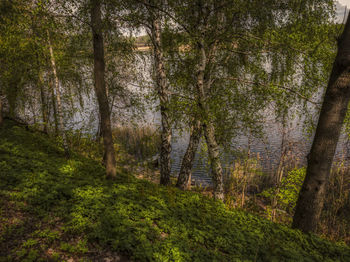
{"type": "Point", "coordinates": [44, 107]}
{"type": "Point", "coordinates": [43, 102]}
{"type": "Point", "coordinates": [162, 88]}
{"type": "Point", "coordinates": [12, 98]}
{"type": "Point", "coordinates": [54, 107]}
{"type": "Point", "coordinates": [203, 86]}
{"type": "Point", "coordinates": [58, 98]}
{"type": "Point", "coordinates": [279, 174]}
{"type": "Point", "coordinates": [215, 163]}
{"type": "Point", "coordinates": [333, 111]}
{"type": "Point", "coordinates": [34, 111]}
{"type": "Point", "coordinates": [184, 178]}
{"type": "Point", "coordinates": [100, 89]}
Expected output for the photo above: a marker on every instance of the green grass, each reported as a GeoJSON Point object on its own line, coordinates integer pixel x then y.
{"type": "Point", "coordinates": [53, 209]}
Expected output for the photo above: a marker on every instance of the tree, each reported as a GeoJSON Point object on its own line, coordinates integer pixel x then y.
{"type": "Point", "coordinates": [229, 44]}
{"type": "Point", "coordinates": [57, 95]}
{"type": "Point", "coordinates": [184, 178]}
{"type": "Point", "coordinates": [333, 112]}
{"type": "Point", "coordinates": [148, 14]}
{"type": "Point", "coordinates": [162, 90]}
{"type": "Point", "coordinates": [100, 88]}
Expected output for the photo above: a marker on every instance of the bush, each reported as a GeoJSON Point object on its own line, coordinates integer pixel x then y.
{"type": "Point", "coordinates": [287, 193]}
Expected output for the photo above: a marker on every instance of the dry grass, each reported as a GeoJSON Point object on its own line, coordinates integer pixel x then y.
{"type": "Point", "coordinates": [142, 142]}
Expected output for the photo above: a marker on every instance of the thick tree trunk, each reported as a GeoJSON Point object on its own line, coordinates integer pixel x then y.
{"type": "Point", "coordinates": [203, 86]}
{"type": "Point", "coordinates": [100, 89]}
{"type": "Point", "coordinates": [334, 108]}
{"type": "Point", "coordinates": [58, 98]}
{"type": "Point", "coordinates": [162, 88]}
{"type": "Point", "coordinates": [184, 178]}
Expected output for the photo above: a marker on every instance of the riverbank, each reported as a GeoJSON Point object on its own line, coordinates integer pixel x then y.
{"type": "Point", "coordinates": [55, 209]}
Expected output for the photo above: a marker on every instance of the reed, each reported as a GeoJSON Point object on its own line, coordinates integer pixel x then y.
{"type": "Point", "coordinates": [243, 179]}
{"type": "Point", "coordinates": [335, 222]}
{"type": "Point", "coordinates": [141, 142]}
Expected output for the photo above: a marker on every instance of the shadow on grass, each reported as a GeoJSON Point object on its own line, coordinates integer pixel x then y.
{"type": "Point", "coordinates": [142, 220]}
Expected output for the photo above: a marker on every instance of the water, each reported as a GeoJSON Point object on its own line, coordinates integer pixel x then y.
{"type": "Point", "coordinates": [267, 148]}
{"type": "Point", "coordinates": [297, 144]}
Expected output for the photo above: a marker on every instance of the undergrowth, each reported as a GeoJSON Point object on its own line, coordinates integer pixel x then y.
{"type": "Point", "coordinates": [54, 209]}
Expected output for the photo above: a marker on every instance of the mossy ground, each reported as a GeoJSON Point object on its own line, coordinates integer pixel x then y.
{"type": "Point", "coordinates": [55, 209]}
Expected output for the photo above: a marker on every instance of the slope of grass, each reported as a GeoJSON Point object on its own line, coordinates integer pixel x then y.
{"type": "Point", "coordinates": [54, 209]}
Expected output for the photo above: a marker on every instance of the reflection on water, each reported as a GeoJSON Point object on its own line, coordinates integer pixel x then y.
{"type": "Point", "coordinates": [297, 144]}
{"type": "Point", "coordinates": [297, 141]}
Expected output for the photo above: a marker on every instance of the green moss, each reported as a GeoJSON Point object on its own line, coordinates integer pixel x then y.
{"type": "Point", "coordinates": [134, 217]}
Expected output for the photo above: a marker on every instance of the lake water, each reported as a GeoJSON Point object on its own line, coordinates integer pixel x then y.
{"type": "Point", "coordinates": [267, 149]}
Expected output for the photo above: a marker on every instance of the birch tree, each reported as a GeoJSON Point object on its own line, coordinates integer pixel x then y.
{"type": "Point", "coordinates": [230, 44]}
{"type": "Point", "coordinates": [147, 14]}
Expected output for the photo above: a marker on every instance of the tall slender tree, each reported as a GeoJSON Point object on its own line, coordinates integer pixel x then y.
{"type": "Point", "coordinates": [57, 94]}
{"type": "Point", "coordinates": [333, 111]}
{"type": "Point", "coordinates": [100, 88]}
{"type": "Point", "coordinates": [148, 14]}
{"type": "Point", "coordinates": [162, 90]}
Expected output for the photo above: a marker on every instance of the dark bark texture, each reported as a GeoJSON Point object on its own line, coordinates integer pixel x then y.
{"type": "Point", "coordinates": [333, 111]}
{"type": "Point", "coordinates": [100, 88]}
{"type": "Point", "coordinates": [184, 178]}
{"type": "Point", "coordinates": [44, 110]}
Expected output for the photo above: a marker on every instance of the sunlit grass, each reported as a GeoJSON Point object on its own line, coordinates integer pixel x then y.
{"type": "Point", "coordinates": [56, 209]}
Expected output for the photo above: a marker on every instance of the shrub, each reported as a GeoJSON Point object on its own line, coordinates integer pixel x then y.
{"type": "Point", "coordinates": [288, 192]}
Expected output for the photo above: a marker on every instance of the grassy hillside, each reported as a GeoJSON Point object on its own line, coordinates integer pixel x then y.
{"type": "Point", "coordinates": [54, 209]}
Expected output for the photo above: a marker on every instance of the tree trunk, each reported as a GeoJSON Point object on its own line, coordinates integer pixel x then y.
{"type": "Point", "coordinates": [43, 102]}
{"type": "Point", "coordinates": [44, 107]}
{"type": "Point", "coordinates": [12, 94]}
{"type": "Point", "coordinates": [215, 163]}
{"type": "Point", "coordinates": [184, 179]}
{"type": "Point", "coordinates": [58, 98]}
{"type": "Point", "coordinates": [54, 107]}
{"type": "Point", "coordinates": [162, 88]}
{"type": "Point", "coordinates": [100, 89]}
{"type": "Point", "coordinates": [333, 111]}
{"type": "Point", "coordinates": [203, 86]}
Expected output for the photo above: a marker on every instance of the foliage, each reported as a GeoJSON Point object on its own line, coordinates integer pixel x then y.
{"type": "Point", "coordinates": [288, 192]}
{"type": "Point", "coordinates": [61, 199]}
{"type": "Point", "coordinates": [260, 55]}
